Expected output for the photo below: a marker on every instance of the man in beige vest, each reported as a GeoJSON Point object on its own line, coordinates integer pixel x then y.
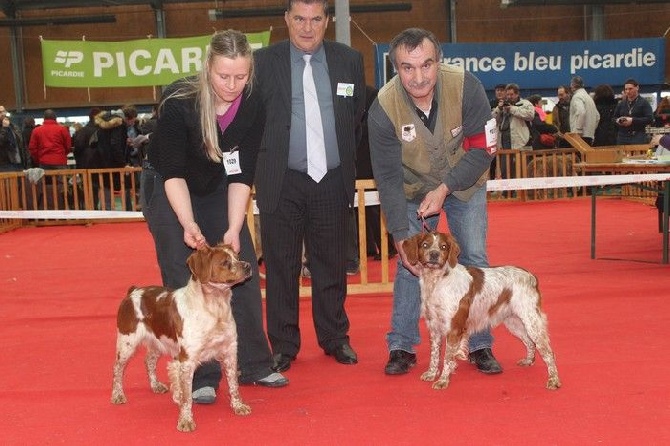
{"type": "Point", "coordinates": [432, 140]}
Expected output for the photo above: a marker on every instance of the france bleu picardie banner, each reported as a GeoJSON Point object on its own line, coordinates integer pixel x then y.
{"type": "Point", "coordinates": [132, 63]}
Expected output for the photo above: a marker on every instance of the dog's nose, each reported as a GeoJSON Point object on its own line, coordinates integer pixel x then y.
{"type": "Point", "coordinates": [433, 256]}
{"type": "Point", "coordinates": [247, 269]}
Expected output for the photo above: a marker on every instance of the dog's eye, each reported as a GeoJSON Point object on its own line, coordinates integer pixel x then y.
{"type": "Point", "coordinates": [443, 246]}
{"type": "Point", "coordinates": [424, 245]}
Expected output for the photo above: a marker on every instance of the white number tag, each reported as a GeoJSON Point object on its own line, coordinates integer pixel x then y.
{"type": "Point", "coordinates": [231, 161]}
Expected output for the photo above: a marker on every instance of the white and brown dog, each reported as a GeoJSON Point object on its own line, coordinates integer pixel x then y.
{"type": "Point", "coordinates": [457, 301]}
{"type": "Point", "coordinates": [193, 324]}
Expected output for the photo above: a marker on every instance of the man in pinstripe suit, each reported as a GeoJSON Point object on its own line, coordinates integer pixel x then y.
{"type": "Point", "coordinates": [293, 206]}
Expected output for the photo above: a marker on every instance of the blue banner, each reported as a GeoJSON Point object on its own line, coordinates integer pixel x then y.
{"type": "Point", "coordinates": [546, 65]}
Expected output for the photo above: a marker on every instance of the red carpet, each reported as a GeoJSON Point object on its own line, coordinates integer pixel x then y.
{"type": "Point", "coordinates": [60, 286]}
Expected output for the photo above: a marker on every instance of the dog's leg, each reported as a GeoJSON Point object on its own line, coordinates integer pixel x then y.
{"type": "Point", "coordinates": [181, 380]}
{"type": "Point", "coordinates": [538, 332]}
{"type": "Point", "coordinates": [451, 350]}
{"type": "Point", "coordinates": [150, 362]}
{"type": "Point", "coordinates": [431, 373]}
{"type": "Point", "coordinates": [547, 354]}
{"type": "Point", "coordinates": [125, 349]}
{"type": "Point", "coordinates": [518, 328]}
{"type": "Point", "coordinates": [532, 331]}
{"type": "Point", "coordinates": [229, 364]}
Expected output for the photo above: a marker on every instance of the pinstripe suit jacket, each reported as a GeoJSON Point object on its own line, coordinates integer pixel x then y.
{"type": "Point", "coordinates": [273, 78]}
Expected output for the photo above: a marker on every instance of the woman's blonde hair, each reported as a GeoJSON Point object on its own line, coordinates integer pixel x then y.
{"type": "Point", "coordinates": [231, 44]}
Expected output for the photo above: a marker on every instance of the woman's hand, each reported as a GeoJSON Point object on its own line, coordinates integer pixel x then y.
{"type": "Point", "coordinates": [232, 238]}
{"type": "Point", "coordinates": [193, 237]}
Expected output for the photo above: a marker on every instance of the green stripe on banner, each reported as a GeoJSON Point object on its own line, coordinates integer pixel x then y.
{"type": "Point", "coordinates": [132, 63]}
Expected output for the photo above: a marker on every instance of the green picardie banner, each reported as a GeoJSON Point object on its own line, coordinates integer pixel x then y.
{"type": "Point", "coordinates": [132, 63]}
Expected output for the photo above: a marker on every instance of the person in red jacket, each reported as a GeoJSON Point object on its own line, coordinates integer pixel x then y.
{"type": "Point", "coordinates": [50, 143]}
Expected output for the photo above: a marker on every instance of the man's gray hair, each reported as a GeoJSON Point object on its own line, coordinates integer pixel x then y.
{"type": "Point", "coordinates": [410, 39]}
{"type": "Point", "coordinates": [577, 82]}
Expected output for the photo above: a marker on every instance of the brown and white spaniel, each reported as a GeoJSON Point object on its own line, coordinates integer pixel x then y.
{"type": "Point", "coordinates": [193, 324]}
{"type": "Point", "coordinates": [457, 301]}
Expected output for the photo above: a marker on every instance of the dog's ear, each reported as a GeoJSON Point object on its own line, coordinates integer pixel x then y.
{"type": "Point", "coordinates": [454, 251]}
{"type": "Point", "coordinates": [411, 248]}
{"type": "Point", "coordinates": [199, 262]}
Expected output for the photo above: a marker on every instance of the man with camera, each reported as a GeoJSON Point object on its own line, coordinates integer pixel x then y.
{"type": "Point", "coordinates": [632, 115]}
{"type": "Point", "coordinates": [513, 116]}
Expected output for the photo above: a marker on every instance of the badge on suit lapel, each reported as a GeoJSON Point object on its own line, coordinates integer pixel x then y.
{"type": "Point", "coordinates": [346, 90]}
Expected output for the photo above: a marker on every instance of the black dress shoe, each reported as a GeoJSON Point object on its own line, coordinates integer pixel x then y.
{"type": "Point", "coordinates": [400, 362]}
{"type": "Point", "coordinates": [282, 362]}
{"type": "Point", "coordinates": [485, 361]}
{"type": "Point", "coordinates": [344, 354]}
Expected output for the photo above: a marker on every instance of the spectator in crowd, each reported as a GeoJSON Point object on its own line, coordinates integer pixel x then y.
{"type": "Point", "coordinates": [87, 154]}
{"type": "Point", "coordinates": [513, 116]}
{"type": "Point", "coordinates": [560, 115]}
{"type": "Point", "coordinates": [296, 203]}
{"type": "Point", "coordinates": [537, 102]}
{"type": "Point", "coordinates": [11, 144]}
{"type": "Point", "coordinates": [49, 146]}
{"type": "Point", "coordinates": [196, 186]}
{"type": "Point", "coordinates": [26, 131]}
{"type": "Point", "coordinates": [423, 168]}
{"type": "Point", "coordinates": [85, 144]}
{"type": "Point", "coordinates": [50, 143]}
{"type": "Point", "coordinates": [499, 92]}
{"type": "Point", "coordinates": [603, 97]}
{"type": "Point", "coordinates": [542, 133]}
{"type": "Point", "coordinates": [632, 115]}
{"type": "Point", "coordinates": [113, 144]}
{"type": "Point", "coordinates": [584, 116]}
{"type": "Point", "coordinates": [499, 95]}
{"type": "Point", "coordinates": [662, 113]}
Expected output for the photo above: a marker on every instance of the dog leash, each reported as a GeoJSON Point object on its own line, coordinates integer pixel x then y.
{"type": "Point", "coordinates": [424, 225]}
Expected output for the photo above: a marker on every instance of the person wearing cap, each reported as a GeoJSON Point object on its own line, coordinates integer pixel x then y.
{"type": "Point", "coordinates": [632, 115]}
{"type": "Point", "coordinates": [499, 90]}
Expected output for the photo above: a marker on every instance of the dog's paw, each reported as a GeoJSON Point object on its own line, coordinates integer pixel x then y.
{"type": "Point", "coordinates": [241, 409]}
{"type": "Point", "coordinates": [441, 384]}
{"type": "Point", "coordinates": [159, 388]}
{"type": "Point", "coordinates": [554, 383]}
{"type": "Point", "coordinates": [525, 362]}
{"type": "Point", "coordinates": [186, 425]}
{"type": "Point", "coordinates": [428, 376]}
{"type": "Point", "coordinates": [119, 398]}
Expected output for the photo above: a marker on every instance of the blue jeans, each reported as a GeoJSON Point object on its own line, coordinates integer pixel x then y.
{"type": "Point", "coordinates": [468, 223]}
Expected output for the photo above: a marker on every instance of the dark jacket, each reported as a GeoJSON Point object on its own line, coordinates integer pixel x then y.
{"type": "Point", "coordinates": [606, 131]}
{"type": "Point", "coordinates": [11, 146]}
{"type": "Point", "coordinates": [176, 149]}
{"type": "Point", "coordinates": [86, 153]}
{"type": "Point", "coordinates": [273, 79]}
